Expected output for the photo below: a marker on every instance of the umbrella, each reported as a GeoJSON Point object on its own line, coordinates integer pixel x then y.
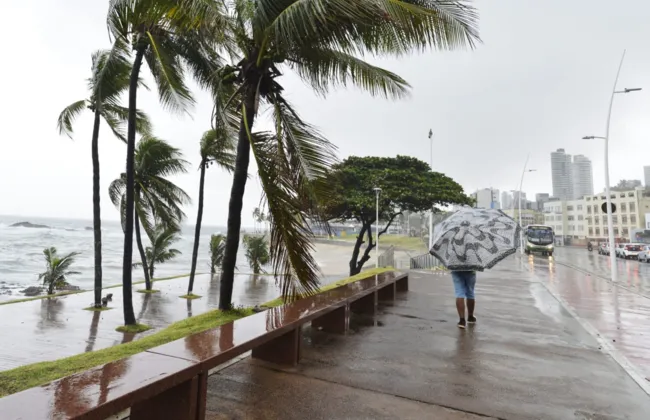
{"type": "Point", "coordinates": [475, 239]}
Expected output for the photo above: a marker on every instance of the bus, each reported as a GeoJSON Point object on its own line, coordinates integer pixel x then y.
{"type": "Point", "coordinates": [539, 238]}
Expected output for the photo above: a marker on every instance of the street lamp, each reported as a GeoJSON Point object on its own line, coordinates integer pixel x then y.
{"type": "Point", "coordinates": [377, 191]}
{"type": "Point", "coordinates": [610, 222]}
{"type": "Point", "coordinates": [431, 215]}
{"type": "Point", "coordinates": [521, 185]}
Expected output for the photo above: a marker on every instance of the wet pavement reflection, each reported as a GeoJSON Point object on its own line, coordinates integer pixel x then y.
{"type": "Point", "coordinates": [620, 313]}
{"type": "Point", "coordinates": [53, 328]}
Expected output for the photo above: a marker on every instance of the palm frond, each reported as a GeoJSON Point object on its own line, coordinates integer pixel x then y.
{"type": "Point", "coordinates": [218, 146]}
{"type": "Point", "coordinates": [115, 124]}
{"type": "Point", "coordinates": [111, 73]}
{"type": "Point", "coordinates": [324, 68]}
{"type": "Point", "coordinates": [167, 69]}
{"type": "Point", "coordinates": [290, 242]}
{"type": "Point", "coordinates": [376, 26]}
{"type": "Point", "coordinates": [68, 115]}
{"type": "Point", "coordinates": [143, 125]}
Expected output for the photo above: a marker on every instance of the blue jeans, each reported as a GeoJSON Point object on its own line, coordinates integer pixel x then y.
{"type": "Point", "coordinates": [464, 282]}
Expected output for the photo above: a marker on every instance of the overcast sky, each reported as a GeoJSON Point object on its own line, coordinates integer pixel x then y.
{"type": "Point", "coordinates": [540, 81]}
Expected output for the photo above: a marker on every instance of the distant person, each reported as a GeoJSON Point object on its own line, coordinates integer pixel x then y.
{"type": "Point", "coordinates": [464, 282]}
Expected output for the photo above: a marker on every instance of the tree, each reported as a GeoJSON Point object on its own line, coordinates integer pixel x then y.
{"type": "Point", "coordinates": [171, 36]}
{"type": "Point", "coordinates": [257, 252]}
{"type": "Point", "coordinates": [407, 184]}
{"type": "Point", "coordinates": [322, 45]}
{"type": "Point", "coordinates": [217, 147]}
{"type": "Point", "coordinates": [627, 185]}
{"type": "Point", "coordinates": [109, 79]}
{"type": "Point", "coordinates": [157, 200]}
{"type": "Point", "coordinates": [162, 237]}
{"type": "Point", "coordinates": [57, 269]}
{"type": "Point", "coordinates": [217, 248]}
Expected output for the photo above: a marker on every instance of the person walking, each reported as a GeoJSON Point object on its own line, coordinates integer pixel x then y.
{"type": "Point", "coordinates": [464, 282]}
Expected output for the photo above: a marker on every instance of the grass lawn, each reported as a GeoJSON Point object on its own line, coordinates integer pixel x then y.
{"type": "Point", "coordinates": [398, 241]}
{"type": "Point", "coordinates": [25, 377]}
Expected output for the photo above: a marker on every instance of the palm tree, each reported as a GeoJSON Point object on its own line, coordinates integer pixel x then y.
{"type": "Point", "coordinates": [157, 200]}
{"type": "Point", "coordinates": [109, 79]}
{"type": "Point", "coordinates": [217, 147]}
{"type": "Point", "coordinates": [322, 45]}
{"type": "Point", "coordinates": [58, 269]}
{"type": "Point", "coordinates": [170, 36]}
{"type": "Point", "coordinates": [162, 237]}
{"type": "Point", "coordinates": [257, 252]}
{"type": "Point", "coordinates": [217, 248]}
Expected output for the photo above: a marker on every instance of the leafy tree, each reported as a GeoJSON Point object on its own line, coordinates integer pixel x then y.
{"type": "Point", "coordinates": [407, 184]}
{"type": "Point", "coordinates": [109, 79]}
{"type": "Point", "coordinates": [170, 36]}
{"type": "Point", "coordinates": [257, 252]}
{"type": "Point", "coordinates": [627, 185]}
{"type": "Point", "coordinates": [157, 200]}
{"type": "Point", "coordinates": [58, 269]}
{"type": "Point", "coordinates": [217, 147]}
{"type": "Point", "coordinates": [217, 248]}
{"type": "Point", "coordinates": [162, 237]}
{"type": "Point", "coordinates": [322, 45]}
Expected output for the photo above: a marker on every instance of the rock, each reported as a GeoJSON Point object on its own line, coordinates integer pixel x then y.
{"type": "Point", "coordinates": [32, 291]}
{"type": "Point", "coordinates": [30, 225]}
{"type": "Point", "coordinates": [69, 288]}
{"type": "Point", "coordinates": [257, 309]}
{"type": "Point", "coordinates": [89, 228]}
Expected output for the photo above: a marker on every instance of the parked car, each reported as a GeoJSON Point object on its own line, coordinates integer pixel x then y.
{"type": "Point", "coordinates": [603, 248]}
{"type": "Point", "coordinates": [631, 250]}
{"type": "Point", "coordinates": [644, 255]}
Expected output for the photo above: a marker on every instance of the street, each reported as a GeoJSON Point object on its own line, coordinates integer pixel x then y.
{"type": "Point", "coordinates": [616, 315]}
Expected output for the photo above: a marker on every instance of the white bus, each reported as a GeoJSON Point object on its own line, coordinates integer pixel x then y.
{"type": "Point", "coordinates": [539, 238]}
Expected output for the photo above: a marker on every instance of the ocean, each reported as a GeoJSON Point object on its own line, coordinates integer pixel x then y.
{"type": "Point", "coordinates": [21, 252]}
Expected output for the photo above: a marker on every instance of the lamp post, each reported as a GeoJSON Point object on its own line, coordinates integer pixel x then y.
{"type": "Point", "coordinates": [377, 192]}
{"type": "Point", "coordinates": [431, 215]}
{"type": "Point", "coordinates": [521, 185]}
{"type": "Point", "coordinates": [610, 222]}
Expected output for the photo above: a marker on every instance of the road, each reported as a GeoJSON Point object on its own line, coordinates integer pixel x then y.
{"type": "Point", "coordinates": [616, 314]}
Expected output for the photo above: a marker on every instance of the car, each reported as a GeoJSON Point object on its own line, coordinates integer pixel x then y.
{"type": "Point", "coordinates": [630, 250]}
{"type": "Point", "coordinates": [618, 250]}
{"type": "Point", "coordinates": [603, 248]}
{"type": "Point", "coordinates": [644, 255]}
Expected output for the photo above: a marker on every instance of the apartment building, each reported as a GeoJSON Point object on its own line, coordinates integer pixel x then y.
{"type": "Point", "coordinates": [576, 221]}
{"type": "Point", "coordinates": [567, 218]}
{"type": "Point", "coordinates": [631, 208]}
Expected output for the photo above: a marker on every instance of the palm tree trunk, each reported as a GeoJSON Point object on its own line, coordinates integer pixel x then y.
{"type": "Point", "coordinates": [97, 220]}
{"type": "Point", "coordinates": [236, 200]}
{"type": "Point", "coordinates": [197, 229]}
{"type": "Point", "coordinates": [127, 259]}
{"type": "Point", "coordinates": [143, 255]}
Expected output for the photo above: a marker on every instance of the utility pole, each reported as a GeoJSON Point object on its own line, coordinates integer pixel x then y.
{"type": "Point", "coordinates": [431, 215]}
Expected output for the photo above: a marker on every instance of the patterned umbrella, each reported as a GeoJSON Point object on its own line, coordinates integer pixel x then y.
{"type": "Point", "coordinates": [475, 239]}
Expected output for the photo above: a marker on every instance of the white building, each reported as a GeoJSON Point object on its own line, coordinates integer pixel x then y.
{"type": "Point", "coordinates": [506, 200]}
{"type": "Point", "coordinates": [487, 198]}
{"type": "Point", "coordinates": [583, 178]}
{"type": "Point", "coordinates": [631, 208]}
{"type": "Point", "coordinates": [562, 175]}
{"type": "Point", "coordinates": [567, 220]}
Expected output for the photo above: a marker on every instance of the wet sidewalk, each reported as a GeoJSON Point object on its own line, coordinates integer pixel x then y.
{"type": "Point", "coordinates": [527, 358]}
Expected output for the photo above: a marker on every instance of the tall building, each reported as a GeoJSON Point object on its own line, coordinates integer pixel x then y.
{"type": "Point", "coordinates": [562, 173]}
{"type": "Point", "coordinates": [583, 177]}
{"type": "Point", "coordinates": [487, 198]}
{"type": "Point", "coordinates": [540, 199]}
{"type": "Point", "coordinates": [506, 200]}
{"type": "Point", "coordinates": [646, 176]}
